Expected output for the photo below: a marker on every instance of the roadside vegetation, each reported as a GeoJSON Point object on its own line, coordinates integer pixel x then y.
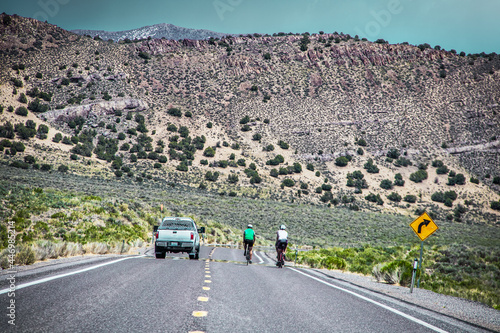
{"type": "Point", "coordinates": [457, 270]}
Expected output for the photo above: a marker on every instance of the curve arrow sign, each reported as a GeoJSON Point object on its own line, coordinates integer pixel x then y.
{"type": "Point", "coordinates": [426, 223]}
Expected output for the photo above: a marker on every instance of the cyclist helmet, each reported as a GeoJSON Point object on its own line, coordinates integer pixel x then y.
{"type": "Point", "coordinates": [249, 226]}
{"type": "Point", "coordinates": [282, 227]}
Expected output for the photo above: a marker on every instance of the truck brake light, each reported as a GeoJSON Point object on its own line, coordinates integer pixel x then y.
{"type": "Point", "coordinates": [156, 235]}
{"type": "Point", "coordinates": [192, 235]}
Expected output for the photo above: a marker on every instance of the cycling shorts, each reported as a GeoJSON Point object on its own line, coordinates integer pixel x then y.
{"type": "Point", "coordinates": [249, 242]}
{"type": "Point", "coordinates": [281, 244]}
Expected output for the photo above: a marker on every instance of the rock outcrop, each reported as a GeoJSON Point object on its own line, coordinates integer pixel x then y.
{"type": "Point", "coordinates": [94, 109]}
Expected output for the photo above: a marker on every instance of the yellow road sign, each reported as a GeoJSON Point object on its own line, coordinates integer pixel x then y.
{"type": "Point", "coordinates": [424, 226]}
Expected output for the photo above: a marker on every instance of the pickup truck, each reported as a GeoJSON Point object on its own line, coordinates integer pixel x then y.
{"type": "Point", "coordinates": [178, 234]}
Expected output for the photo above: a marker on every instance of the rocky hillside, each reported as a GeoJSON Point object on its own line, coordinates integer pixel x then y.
{"type": "Point", "coordinates": [157, 31]}
{"type": "Point", "coordinates": [326, 118]}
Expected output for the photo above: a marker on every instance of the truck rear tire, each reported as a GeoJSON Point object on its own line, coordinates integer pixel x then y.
{"type": "Point", "coordinates": [160, 255]}
{"type": "Point", "coordinates": [195, 255]}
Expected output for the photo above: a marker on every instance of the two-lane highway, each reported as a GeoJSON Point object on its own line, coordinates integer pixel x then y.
{"type": "Point", "coordinates": [218, 293]}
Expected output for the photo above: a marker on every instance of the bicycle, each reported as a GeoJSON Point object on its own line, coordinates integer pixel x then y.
{"type": "Point", "coordinates": [247, 254]}
{"type": "Point", "coordinates": [281, 258]}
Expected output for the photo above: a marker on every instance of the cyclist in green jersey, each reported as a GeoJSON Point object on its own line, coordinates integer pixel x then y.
{"type": "Point", "coordinates": [248, 240]}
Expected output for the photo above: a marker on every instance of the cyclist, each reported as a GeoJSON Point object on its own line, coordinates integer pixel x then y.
{"type": "Point", "coordinates": [281, 242]}
{"type": "Point", "coordinates": [248, 240]}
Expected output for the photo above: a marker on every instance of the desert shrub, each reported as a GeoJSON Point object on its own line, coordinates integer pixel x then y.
{"type": "Point", "coordinates": [326, 197]}
{"type": "Point", "coordinates": [22, 98]}
{"type": "Point", "coordinates": [182, 166]}
{"type": "Point", "coordinates": [244, 120]}
{"type": "Point", "coordinates": [394, 197]}
{"type": "Point", "coordinates": [212, 176]}
{"type": "Point", "coordinates": [370, 167]}
{"type": "Point", "coordinates": [57, 138]}
{"type": "Point", "coordinates": [256, 137]}
{"type": "Point", "coordinates": [25, 132]}
{"type": "Point", "coordinates": [402, 162]}
{"type": "Point", "coordinates": [361, 142]}
{"type": "Point", "coordinates": [419, 176]}
{"type": "Point", "coordinates": [46, 167]}
{"type": "Point", "coordinates": [442, 170]}
{"type": "Point", "coordinates": [20, 165]}
{"type": "Point", "coordinates": [394, 272]}
{"type": "Point", "coordinates": [29, 159]}
{"type": "Point", "coordinates": [410, 198]}
{"type": "Point", "coordinates": [232, 179]}
{"type": "Point", "coordinates": [332, 262]}
{"type": "Point", "coordinates": [25, 255]}
{"type": "Point", "coordinates": [341, 161]}
{"type": "Point", "coordinates": [283, 144]}
{"type": "Point", "coordinates": [37, 106]}
{"type": "Point", "coordinates": [326, 187]}
{"type": "Point", "coordinates": [246, 128]}
{"type": "Point", "coordinates": [437, 163]}
{"type": "Point", "coordinates": [393, 153]}
{"type": "Point", "coordinates": [374, 198]}
{"type": "Point", "coordinates": [268, 148]}
{"type": "Point", "coordinates": [17, 83]}
{"type": "Point", "coordinates": [398, 180]}
{"type": "Point", "coordinates": [458, 179]}
{"type": "Point", "coordinates": [176, 112]}
{"type": "Point", "coordinates": [209, 152]}
{"type": "Point", "coordinates": [495, 205]}
{"type": "Point", "coordinates": [386, 184]}
{"type": "Point", "coordinates": [63, 168]}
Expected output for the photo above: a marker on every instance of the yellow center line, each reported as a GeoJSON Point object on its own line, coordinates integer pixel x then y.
{"type": "Point", "coordinates": [203, 299]}
{"type": "Point", "coordinates": [208, 281]}
{"type": "Point", "coordinates": [206, 288]}
{"type": "Point", "coordinates": [207, 276]}
{"type": "Point", "coordinates": [200, 313]}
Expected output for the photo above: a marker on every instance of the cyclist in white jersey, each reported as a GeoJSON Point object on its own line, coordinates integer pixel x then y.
{"type": "Point", "coordinates": [281, 240]}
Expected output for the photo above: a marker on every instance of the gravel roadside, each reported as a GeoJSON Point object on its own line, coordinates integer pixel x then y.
{"type": "Point", "coordinates": [459, 308]}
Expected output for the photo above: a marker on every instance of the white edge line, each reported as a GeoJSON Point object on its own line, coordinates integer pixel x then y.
{"type": "Point", "coordinates": [423, 323]}
{"type": "Point", "coordinates": [32, 283]}
{"type": "Point", "coordinates": [261, 261]}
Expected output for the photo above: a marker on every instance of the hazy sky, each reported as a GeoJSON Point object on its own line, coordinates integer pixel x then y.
{"type": "Point", "coordinates": [463, 25]}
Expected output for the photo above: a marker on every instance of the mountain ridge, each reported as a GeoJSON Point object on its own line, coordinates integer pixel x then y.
{"type": "Point", "coordinates": [307, 98]}
{"type": "Point", "coordinates": [158, 31]}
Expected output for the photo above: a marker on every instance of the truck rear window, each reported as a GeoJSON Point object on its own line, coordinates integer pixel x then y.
{"type": "Point", "coordinates": [176, 225]}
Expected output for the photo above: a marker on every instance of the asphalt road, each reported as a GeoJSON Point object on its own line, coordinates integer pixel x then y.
{"type": "Point", "coordinates": [218, 293]}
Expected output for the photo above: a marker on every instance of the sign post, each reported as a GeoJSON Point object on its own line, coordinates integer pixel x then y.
{"type": "Point", "coordinates": [423, 226]}
{"type": "Point", "coordinates": [415, 265]}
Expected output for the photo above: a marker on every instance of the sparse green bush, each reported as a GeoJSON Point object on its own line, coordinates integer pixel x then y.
{"type": "Point", "coordinates": [410, 198]}
{"type": "Point", "coordinates": [371, 167]}
{"type": "Point", "coordinates": [176, 112]}
{"type": "Point", "coordinates": [386, 184]}
{"type": "Point", "coordinates": [244, 120]}
{"type": "Point", "coordinates": [361, 142]}
{"type": "Point", "coordinates": [341, 161]}
{"type": "Point", "coordinates": [418, 176]}
{"type": "Point", "coordinates": [394, 197]}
